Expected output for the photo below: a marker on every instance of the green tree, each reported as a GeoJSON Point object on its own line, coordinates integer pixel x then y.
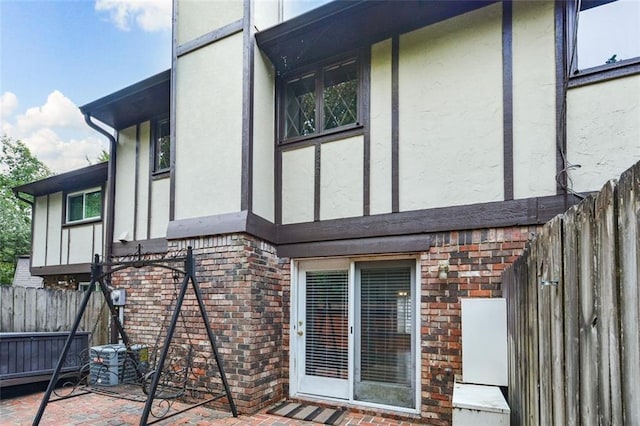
{"type": "Point", "coordinates": [17, 166]}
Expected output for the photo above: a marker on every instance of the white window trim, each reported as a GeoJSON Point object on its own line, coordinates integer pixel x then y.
{"type": "Point", "coordinates": [84, 192]}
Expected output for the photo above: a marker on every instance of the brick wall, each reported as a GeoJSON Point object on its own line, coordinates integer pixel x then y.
{"type": "Point", "coordinates": [476, 261]}
{"type": "Point", "coordinates": [247, 291]}
{"type": "Point", "coordinates": [240, 280]}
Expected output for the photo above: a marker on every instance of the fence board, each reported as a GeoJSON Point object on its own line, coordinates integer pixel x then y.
{"type": "Point", "coordinates": [38, 310]}
{"type": "Point", "coordinates": [609, 386]}
{"type": "Point", "coordinates": [588, 318]}
{"type": "Point", "coordinates": [533, 377]}
{"type": "Point", "coordinates": [629, 252]}
{"type": "Point", "coordinates": [571, 312]}
{"type": "Point", "coordinates": [554, 253]}
{"type": "Point", "coordinates": [6, 313]}
{"type": "Point", "coordinates": [543, 263]}
{"type": "Point", "coordinates": [575, 349]}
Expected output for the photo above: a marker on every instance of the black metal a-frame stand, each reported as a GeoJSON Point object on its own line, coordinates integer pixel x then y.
{"type": "Point", "coordinates": [97, 276]}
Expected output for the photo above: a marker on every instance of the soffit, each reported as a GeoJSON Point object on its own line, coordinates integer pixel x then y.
{"type": "Point", "coordinates": [134, 104]}
{"type": "Point", "coordinates": [86, 177]}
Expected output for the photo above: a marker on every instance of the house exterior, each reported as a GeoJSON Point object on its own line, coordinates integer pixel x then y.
{"type": "Point", "coordinates": [347, 176]}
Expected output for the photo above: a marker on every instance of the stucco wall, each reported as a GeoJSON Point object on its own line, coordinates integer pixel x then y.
{"type": "Point", "coordinates": [451, 138]}
{"type": "Point", "coordinates": [197, 18]}
{"type": "Point", "coordinates": [603, 131]}
{"type": "Point", "coordinates": [298, 182]}
{"type": "Point", "coordinates": [39, 238]}
{"type": "Point", "coordinates": [534, 134]}
{"type": "Point", "coordinates": [341, 178]}
{"type": "Point", "coordinates": [208, 130]}
{"type": "Point", "coordinates": [125, 183]}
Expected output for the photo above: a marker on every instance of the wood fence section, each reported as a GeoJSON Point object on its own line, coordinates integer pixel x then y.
{"type": "Point", "coordinates": [573, 313]}
{"type": "Point", "coordinates": [37, 310]}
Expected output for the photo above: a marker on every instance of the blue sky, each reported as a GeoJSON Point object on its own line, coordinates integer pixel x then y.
{"type": "Point", "coordinates": [56, 55]}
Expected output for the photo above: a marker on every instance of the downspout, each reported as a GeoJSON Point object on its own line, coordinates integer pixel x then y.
{"type": "Point", "coordinates": [111, 196]}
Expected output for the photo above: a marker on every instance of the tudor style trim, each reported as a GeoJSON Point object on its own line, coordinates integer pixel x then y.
{"type": "Point", "coordinates": [209, 38]}
{"type": "Point", "coordinates": [74, 268]}
{"type": "Point", "coordinates": [357, 246]}
{"type": "Point", "coordinates": [246, 184]}
{"type": "Point", "coordinates": [395, 126]}
{"type": "Point", "coordinates": [507, 96]}
{"type": "Point", "coordinates": [561, 95]}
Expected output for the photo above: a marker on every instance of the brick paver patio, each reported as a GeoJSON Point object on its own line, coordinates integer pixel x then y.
{"type": "Point", "coordinates": [101, 410]}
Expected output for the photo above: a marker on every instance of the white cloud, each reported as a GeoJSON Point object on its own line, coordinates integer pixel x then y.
{"type": "Point", "coordinates": [55, 133]}
{"type": "Point", "coordinates": [8, 102]}
{"type": "Point", "coordinates": [149, 15]}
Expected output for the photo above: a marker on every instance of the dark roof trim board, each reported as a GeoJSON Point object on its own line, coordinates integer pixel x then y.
{"type": "Point", "coordinates": [133, 104]}
{"type": "Point", "coordinates": [342, 25]}
{"type": "Point", "coordinates": [74, 180]}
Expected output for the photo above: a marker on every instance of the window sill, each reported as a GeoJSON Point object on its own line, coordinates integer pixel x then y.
{"type": "Point", "coordinates": [81, 222]}
{"type": "Point", "coordinates": [327, 136]}
{"type": "Point", "coordinates": [161, 174]}
{"type": "Point", "coordinates": [605, 72]}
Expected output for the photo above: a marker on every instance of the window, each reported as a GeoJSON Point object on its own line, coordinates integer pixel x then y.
{"type": "Point", "coordinates": [608, 32]}
{"type": "Point", "coordinates": [162, 146]}
{"type": "Point", "coordinates": [321, 100]}
{"type": "Point", "coordinates": [84, 205]}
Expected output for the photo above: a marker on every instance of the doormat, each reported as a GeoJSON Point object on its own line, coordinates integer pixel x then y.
{"type": "Point", "coordinates": [309, 413]}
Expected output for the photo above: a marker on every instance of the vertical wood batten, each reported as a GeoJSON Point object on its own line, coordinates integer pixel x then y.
{"type": "Point", "coordinates": [629, 252]}
{"type": "Point", "coordinates": [571, 312]}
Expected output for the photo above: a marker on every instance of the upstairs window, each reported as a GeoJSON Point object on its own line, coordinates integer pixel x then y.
{"type": "Point", "coordinates": [608, 33]}
{"type": "Point", "coordinates": [84, 205]}
{"type": "Point", "coordinates": [162, 146]}
{"type": "Point", "coordinates": [321, 100]}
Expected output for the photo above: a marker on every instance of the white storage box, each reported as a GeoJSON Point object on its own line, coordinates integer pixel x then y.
{"type": "Point", "coordinates": [478, 405]}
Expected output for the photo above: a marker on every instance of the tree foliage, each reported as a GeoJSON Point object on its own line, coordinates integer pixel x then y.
{"type": "Point", "coordinates": [17, 166]}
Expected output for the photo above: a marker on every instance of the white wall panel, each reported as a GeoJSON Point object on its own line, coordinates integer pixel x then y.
{"type": "Point", "coordinates": [603, 131]}
{"type": "Point", "coordinates": [39, 238]}
{"type": "Point", "coordinates": [341, 178]}
{"type": "Point", "coordinates": [197, 17]}
{"type": "Point", "coordinates": [380, 141]}
{"type": "Point", "coordinates": [298, 185]}
{"type": "Point", "coordinates": [81, 243]}
{"type": "Point", "coordinates": [450, 101]}
{"type": "Point", "coordinates": [55, 228]}
{"type": "Point", "coordinates": [144, 169]}
{"type": "Point", "coordinates": [209, 130]}
{"type": "Point", "coordinates": [125, 183]}
{"type": "Point", "coordinates": [534, 106]}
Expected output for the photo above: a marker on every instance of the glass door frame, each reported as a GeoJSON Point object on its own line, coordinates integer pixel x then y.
{"type": "Point", "coordinates": [349, 263]}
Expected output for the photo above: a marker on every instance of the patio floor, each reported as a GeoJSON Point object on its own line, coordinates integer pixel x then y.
{"type": "Point", "coordinates": [100, 410]}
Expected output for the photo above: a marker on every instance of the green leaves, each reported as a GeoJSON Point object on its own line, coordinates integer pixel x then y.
{"type": "Point", "coordinates": [17, 166]}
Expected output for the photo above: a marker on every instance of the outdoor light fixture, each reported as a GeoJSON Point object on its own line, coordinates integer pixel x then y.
{"type": "Point", "coordinates": [443, 269]}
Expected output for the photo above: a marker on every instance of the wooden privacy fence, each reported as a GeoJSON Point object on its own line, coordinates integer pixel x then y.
{"type": "Point", "coordinates": [30, 310]}
{"type": "Point", "coordinates": [573, 314]}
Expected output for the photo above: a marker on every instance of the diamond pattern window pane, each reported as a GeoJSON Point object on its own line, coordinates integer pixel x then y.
{"type": "Point", "coordinates": [300, 106]}
{"type": "Point", "coordinates": [163, 146]}
{"type": "Point", "coordinates": [340, 95]}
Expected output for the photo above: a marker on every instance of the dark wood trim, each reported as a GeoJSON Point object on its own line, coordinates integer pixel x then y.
{"type": "Point", "coordinates": [365, 107]}
{"type": "Point", "coordinates": [359, 246]}
{"type": "Point", "coordinates": [523, 212]}
{"type": "Point", "coordinates": [356, 130]}
{"type": "Point", "coordinates": [246, 185]}
{"type": "Point", "coordinates": [172, 118]}
{"type": "Point", "coordinates": [76, 268]}
{"type": "Point", "coordinates": [228, 223]}
{"type": "Point", "coordinates": [277, 155]}
{"type": "Point", "coordinates": [211, 37]}
{"type": "Point", "coordinates": [395, 118]}
{"type": "Point", "coordinates": [316, 182]}
{"type": "Point", "coordinates": [561, 96]}
{"type": "Point", "coordinates": [68, 247]}
{"type": "Point", "coordinates": [605, 73]}
{"type": "Point", "coordinates": [507, 96]}
{"type": "Point", "coordinates": [260, 227]}
{"type": "Point", "coordinates": [154, 245]}
{"type": "Point", "coordinates": [135, 184]}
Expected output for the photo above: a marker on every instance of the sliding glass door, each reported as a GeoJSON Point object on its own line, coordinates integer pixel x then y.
{"type": "Point", "coordinates": [353, 332]}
